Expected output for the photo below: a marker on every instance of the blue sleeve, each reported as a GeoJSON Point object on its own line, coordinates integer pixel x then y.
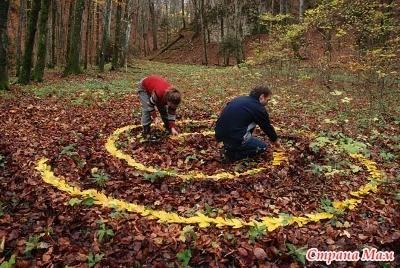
{"type": "Point", "coordinates": [262, 119]}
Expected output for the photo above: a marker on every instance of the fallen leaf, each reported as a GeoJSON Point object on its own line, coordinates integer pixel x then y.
{"type": "Point", "coordinates": [242, 252]}
{"type": "Point", "coordinates": [259, 253]}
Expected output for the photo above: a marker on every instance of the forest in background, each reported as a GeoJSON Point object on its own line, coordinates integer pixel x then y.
{"type": "Point", "coordinates": [360, 37]}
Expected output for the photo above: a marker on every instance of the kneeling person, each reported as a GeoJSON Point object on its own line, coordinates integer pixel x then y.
{"type": "Point", "coordinates": [155, 91]}
{"type": "Point", "coordinates": [237, 122]}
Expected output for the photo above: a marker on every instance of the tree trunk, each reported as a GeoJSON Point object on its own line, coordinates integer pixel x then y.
{"type": "Point", "coordinates": [105, 39]}
{"type": "Point", "coordinates": [25, 75]}
{"type": "Point", "coordinates": [153, 24]}
{"type": "Point", "coordinates": [127, 32]}
{"type": "Point", "coordinates": [203, 33]}
{"type": "Point", "coordinates": [287, 8]}
{"type": "Point", "coordinates": [183, 14]}
{"type": "Point", "coordinates": [144, 27]}
{"type": "Point", "coordinates": [167, 19]}
{"type": "Point", "coordinates": [117, 40]}
{"type": "Point", "coordinates": [281, 6]}
{"type": "Point", "coordinates": [70, 22]}
{"type": "Point", "coordinates": [301, 10]}
{"type": "Point", "coordinates": [238, 33]}
{"type": "Point", "coordinates": [53, 61]}
{"type": "Point", "coordinates": [4, 5]}
{"type": "Point", "coordinates": [73, 66]}
{"type": "Point", "coordinates": [60, 33]}
{"type": "Point", "coordinates": [88, 31]}
{"type": "Point", "coordinates": [272, 7]}
{"type": "Point", "coordinates": [19, 35]}
{"type": "Point", "coordinates": [97, 36]}
{"type": "Point", "coordinates": [222, 27]}
{"type": "Point", "coordinates": [41, 54]}
{"type": "Point", "coordinates": [93, 49]}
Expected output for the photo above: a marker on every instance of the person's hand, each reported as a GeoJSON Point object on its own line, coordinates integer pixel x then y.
{"type": "Point", "coordinates": [174, 131]}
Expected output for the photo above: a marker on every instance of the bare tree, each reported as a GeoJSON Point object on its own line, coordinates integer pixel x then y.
{"type": "Point", "coordinates": [53, 39]}
{"type": "Point", "coordinates": [21, 27]}
{"type": "Point", "coordinates": [106, 34]}
{"type": "Point", "coordinates": [167, 19]}
{"type": "Point", "coordinates": [301, 10]}
{"type": "Point", "coordinates": [70, 22]}
{"type": "Point", "coordinates": [127, 22]}
{"type": "Point", "coordinates": [41, 54]}
{"type": "Point", "coordinates": [153, 24]}
{"type": "Point", "coordinates": [88, 32]}
{"type": "Point", "coordinates": [25, 74]}
{"type": "Point", "coordinates": [117, 39]}
{"type": "Point", "coordinates": [73, 66]}
{"type": "Point", "coordinates": [203, 32]}
{"type": "Point", "coordinates": [4, 5]}
{"type": "Point", "coordinates": [183, 14]}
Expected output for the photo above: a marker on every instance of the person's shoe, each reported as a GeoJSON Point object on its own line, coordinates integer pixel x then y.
{"type": "Point", "coordinates": [147, 135]}
{"type": "Point", "coordinates": [226, 158]}
{"type": "Point", "coordinates": [166, 127]}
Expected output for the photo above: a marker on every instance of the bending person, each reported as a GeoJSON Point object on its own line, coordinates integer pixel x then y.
{"type": "Point", "coordinates": [154, 91]}
{"type": "Point", "coordinates": [237, 122]}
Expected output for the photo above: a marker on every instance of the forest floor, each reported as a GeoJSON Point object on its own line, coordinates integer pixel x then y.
{"type": "Point", "coordinates": [336, 187]}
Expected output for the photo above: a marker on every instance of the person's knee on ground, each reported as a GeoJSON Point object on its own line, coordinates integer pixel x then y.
{"type": "Point", "coordinates": [248, 149]}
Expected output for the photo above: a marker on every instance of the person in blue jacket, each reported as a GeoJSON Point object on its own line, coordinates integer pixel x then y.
{"type": "Point", "coordinates": [237, 122]}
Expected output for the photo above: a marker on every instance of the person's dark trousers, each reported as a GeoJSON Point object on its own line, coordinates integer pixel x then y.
{"type": "Point", "coordinates": [247, 149]}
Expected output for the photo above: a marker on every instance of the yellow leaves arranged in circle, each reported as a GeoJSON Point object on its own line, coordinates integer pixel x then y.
{"type": "Point", "coordinates": [270, 222]}
{"type": "Point", "coordinates": [278, 157]}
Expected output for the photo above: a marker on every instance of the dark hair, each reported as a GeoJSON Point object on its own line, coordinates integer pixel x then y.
{"type": "Point", "coordinates": [260, 90]}
{"type": "Point", "coordinates": [174, 96]}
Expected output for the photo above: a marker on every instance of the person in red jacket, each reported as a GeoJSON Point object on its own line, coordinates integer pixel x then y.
{"type": "Point", "coordinates": [155, 91]}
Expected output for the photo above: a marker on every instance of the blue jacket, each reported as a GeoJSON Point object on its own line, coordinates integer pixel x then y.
{"type": "Point", "coordinates": [239, 118]}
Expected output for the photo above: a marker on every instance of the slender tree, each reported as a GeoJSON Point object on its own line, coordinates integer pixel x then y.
{"type": "Point", "coordinates": [106, 33]}
{"type": "Point", "coordinates": [60, 33]}
{"type": "Point", "coordinates": [4, 5]}
{"type": "Point", "coordinates": [153, 24]}
{"type": "Point", "coordinates": [281, 6]}
{"type": "Point", "coordinates": [92, 37]}
{"type": "Point", "coordinates": [301, 10]}
{"type": "Point", "coordinates": [88, 32]}
{"type": "Point", "coordinates": [21, 27]}
{"type": "Point", "coordinates": [127, 22]}
{"type": "Point", "coordinates": [221, 14]}
{"type": "Point", "coordinates": [25, 74]}
{"type": "Point", "coordinates": [203, 32]}
{"type": "Point", "coordinates": [167, 19]}
{"type": "Point", "coordinates": [272, 7]}
{"type": "Point", "coordinates": [41, 55]}
{"type": "Point", "coordinates": [73, 66]}
{"type": "Point", "coordinates": [117, 38]}
{"type": "Point", "coordinates": [53, 60]}
{"type": "Point", "coordinates": [144, 25]}
{"type": "Point", "coordinates": [97, 34]}
{"type": "Point", "coordinates": [183, 14]}
{"type": "Point", "coordinates": [70, 28]}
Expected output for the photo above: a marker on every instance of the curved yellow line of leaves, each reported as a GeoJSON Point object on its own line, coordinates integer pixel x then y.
{"type": "Point", "coordinates": [271, 223]}
{"type": "Point", "coordinates": [278, 157]}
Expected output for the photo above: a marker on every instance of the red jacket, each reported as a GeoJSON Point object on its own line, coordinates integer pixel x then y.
{"type": "Point", "coordinates": [156, 87]}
